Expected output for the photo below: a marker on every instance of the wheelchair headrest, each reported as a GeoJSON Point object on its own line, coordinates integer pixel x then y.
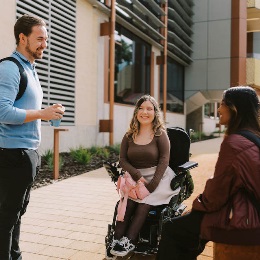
{"type": "Point", "coordinates": [180, 146]}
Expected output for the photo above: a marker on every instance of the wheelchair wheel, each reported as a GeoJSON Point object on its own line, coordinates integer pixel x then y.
{"type": "Point", "coordinates": [109, 236]}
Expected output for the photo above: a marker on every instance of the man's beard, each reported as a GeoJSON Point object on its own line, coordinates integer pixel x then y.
{"type": "Point", "coordinates": [36, 55]}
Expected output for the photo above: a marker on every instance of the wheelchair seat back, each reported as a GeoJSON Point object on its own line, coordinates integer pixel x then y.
{"type": "Point", "coordinates": [180, 147]}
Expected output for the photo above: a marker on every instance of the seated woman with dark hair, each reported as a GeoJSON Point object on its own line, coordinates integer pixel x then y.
{"type": "Point", "coordinates": [228, 209]}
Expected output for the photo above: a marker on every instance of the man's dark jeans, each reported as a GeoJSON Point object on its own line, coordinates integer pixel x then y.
{"type": "Point", "coordinates": [18, 169]}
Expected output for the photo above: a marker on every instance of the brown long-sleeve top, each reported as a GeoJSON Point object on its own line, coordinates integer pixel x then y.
{"type": "Point", "coordinates": [156, 153]}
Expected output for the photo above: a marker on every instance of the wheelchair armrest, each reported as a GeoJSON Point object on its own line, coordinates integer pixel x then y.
{"type": "Point", "coordinates": [187, 166]}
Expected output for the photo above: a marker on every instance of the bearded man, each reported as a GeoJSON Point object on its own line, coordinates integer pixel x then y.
{"type": "Point", "coordinates": [20, 123]}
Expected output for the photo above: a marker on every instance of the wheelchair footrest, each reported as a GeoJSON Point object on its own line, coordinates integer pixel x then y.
{"type": "Point", "coordinates": [145, 249]}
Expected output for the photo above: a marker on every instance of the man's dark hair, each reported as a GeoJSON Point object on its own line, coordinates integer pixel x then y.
{"type": "Point", "coordinates": [24, 25]}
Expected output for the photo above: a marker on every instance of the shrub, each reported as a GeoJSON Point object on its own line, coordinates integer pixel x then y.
{"type": "Point", "coordinates": [81, 155]}
{"type": "Point", "coordinates": [93, 149]}
{"type": "Point", "coordinates": [104, 152]}
{"type": "Point", "coordinates": [61, 162]}
{"type": "Point", "coordinates": [100, 151]}
{"type": "Point", "coordinates": [114, 148]}
{"type": "Point", "coordinates": [85, 155]}
{"type": "Point", "coordinates": [48, 157]}
{"type": "Point", "coordinates": [199, 136]}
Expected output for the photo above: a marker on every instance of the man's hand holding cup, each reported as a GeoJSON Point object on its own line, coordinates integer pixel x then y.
{"type": "Point", "coordinates": [56, 121]}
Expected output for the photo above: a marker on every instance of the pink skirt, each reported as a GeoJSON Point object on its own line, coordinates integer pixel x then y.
{"type": "Point", "coordinates": [163, 193]}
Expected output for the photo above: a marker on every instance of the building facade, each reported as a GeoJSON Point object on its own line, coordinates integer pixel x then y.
{"type": "Point", "coordinates": [103, 55]}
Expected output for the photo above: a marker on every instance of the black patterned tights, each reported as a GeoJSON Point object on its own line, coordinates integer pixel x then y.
{"type": "Point", "coordinates": [135, 216]}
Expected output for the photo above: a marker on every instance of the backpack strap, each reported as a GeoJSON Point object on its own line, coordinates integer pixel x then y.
{"type": "Point", "coordinates": [23, 76]}
{"type": "Point", "coordinates": [250, 136]}
{"type": "Point", "coordinates": [256, 140]}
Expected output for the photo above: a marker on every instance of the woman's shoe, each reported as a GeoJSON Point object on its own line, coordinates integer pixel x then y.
{"type": "Point", "coordinates": [123, 247]}
{"type": "Point", "coordinates": [109, 256]}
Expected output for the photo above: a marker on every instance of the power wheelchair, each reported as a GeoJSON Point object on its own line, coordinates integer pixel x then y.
{"type": "Point", "coordinates": [150, 233]}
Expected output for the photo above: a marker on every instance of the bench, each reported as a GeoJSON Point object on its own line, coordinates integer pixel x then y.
{"type": "Point", "coordinates": [235, 252]}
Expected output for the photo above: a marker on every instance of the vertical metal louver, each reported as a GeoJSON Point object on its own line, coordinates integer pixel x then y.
{"type": "Point", "coordinates": [146, 16]}
{"type": "Point", "coordinates": [57, 68]}
{"type": "Point", "coordinates": [180, 29]}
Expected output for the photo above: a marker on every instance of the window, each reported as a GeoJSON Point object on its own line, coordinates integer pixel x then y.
{"type": "Point", "coordinates": [132, 66]}
{"type": "Point", "coordinates": [209, 110]}
{"type": "Point", "coordinates": [175, 87]}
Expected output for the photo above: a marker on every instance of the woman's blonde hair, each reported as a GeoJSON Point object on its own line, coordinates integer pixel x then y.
{"type": "Point", "coordinates": [158, 123]}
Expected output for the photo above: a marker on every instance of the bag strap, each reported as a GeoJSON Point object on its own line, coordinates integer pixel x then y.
{"type": "Point", "coordinates": [250, 136]}
{"type": "Point", "coordinates": [256, 140]}
{"type": "Point", "coordinates": [23, 76]}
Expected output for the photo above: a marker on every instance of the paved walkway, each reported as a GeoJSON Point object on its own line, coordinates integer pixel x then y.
{"type": "Point", "coordinates": [68, 219]}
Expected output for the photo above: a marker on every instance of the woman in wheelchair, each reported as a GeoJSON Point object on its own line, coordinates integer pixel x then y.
{"type": "Point", "coordinates": [144, 154]}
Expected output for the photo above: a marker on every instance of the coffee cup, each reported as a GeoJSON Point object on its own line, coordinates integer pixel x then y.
{"type": "Point", "coordinates": [56, 122]}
